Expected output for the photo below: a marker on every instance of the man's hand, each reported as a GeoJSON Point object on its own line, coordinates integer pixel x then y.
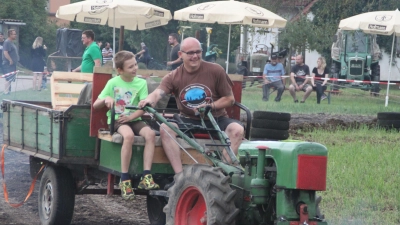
{"type": "Point", "coordinates": [11, 62]}
{"type": "Point", "coordinates": [145, 102]}
{"type": "Point", "coordinates": [109, 102]}
{"type": "Point", "coordinates": [266, 81]}
{"type": "Point", "coordinates": [169, 63]}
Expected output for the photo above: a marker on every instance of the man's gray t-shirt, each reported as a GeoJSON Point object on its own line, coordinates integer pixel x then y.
{"type": "Point", "coordinates": [10, 47]}
{"type": "Point", "coordinates": [301, 72]}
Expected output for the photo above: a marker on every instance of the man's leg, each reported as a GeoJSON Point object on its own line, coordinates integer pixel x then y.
{"type": "Point", "coordinates": [308, 91]}
{"type": "Point", "coordinates": [265, 88]}
{"type": "Point", "coordinates": [280, 88]}
{"type": "Point", "coordinates": [170, 147]}
{"type": "Point", "coordinates": [292, 91]}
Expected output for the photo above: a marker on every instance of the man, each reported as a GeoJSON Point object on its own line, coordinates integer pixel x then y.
{"type": "Point", "coordinates": [107, 53]}
{"type": "Point", "coordinates": [144, 54]}
{"type": "Point", "coordinates": [92, 54]}
{"type": "Point", "coordinates": [272, 78]}
{"type": "Point", "coordinates": [196, 84]}
{"type": "Point", "coordinates": [1, 51]}
{"type": "Point", "coordinates": [10, 59]}
{"type": "Point", "coordinates": [173, 40]}
{"type": "Point", "coordinates": [299, 81]}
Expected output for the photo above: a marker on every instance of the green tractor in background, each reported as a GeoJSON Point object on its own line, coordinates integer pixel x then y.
{"type": "Point", "coordinates": [355, 56]}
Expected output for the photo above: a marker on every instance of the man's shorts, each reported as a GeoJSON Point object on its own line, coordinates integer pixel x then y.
{"type": "Point", "coordinates": [304, 87]}
{"type": "Point", "coordinates": [222, 122]}
{"type": "Point", "coordinates": [136, 126]}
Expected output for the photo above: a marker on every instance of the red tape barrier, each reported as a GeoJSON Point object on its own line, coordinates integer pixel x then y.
{"type": "Point", "coordinates": [32, 187]}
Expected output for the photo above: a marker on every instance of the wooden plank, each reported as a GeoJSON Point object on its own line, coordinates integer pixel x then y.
{"type": "Point", "coordinates": [71, 101]}
{"type": "Point", "coordinates": [67, 88]}
{"type": "Point", "coordinates": [98, 118]}
{"type": "Point", "coordinates": [72, 76]}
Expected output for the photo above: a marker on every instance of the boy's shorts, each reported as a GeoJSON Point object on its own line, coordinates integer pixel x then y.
{"type": "Point", "coordinates": [136, 126]}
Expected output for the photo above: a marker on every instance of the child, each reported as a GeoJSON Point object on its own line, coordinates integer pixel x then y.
{"type": "Point", "coordinates": [127, 89]}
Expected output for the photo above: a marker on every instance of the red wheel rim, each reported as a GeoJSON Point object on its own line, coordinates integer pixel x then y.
{"type": "Point", "coordinates": [191, 208]}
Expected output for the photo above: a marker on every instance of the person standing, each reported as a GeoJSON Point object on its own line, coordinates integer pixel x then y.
{"type": "Point", "coordinates": [273, 78]}
{"type": "Point", "coordinates": [318, 84]}
{"type": "Point", "coordinates": [92, 54]}
{"type": "Point", "coordinates": [107, 53]}
{"type": "Point", "coordinates": [10, 59]}
{"type": "Point", "coordinates": [299, 79]}
{"type": "Point", "coordinates": [173, 40]}
{"type": "Point", "coordinates": [1, 51]}
{"type": "Point", "coordinates": [38, 52]}
{"type": "Point", "coordinates": [144, 54]}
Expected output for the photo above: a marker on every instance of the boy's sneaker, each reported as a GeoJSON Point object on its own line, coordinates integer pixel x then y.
{"type": "Point", "coordinates": [147, 183]}
{"type": "Point", "coordinates": [323, 97]}
{"type": "Point", "coordinates": [126, 190]}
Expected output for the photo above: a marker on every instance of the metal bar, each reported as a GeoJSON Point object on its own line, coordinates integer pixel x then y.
{"type": "Point", "coordinates": [8, 123]}
{"type": "Point", "coordinates": [110, 184]}
{"type": "Point", "coordinates": [37, 130]}
{"type": "Point", "coordinates": [22, 126]}
{"type": "Point", "coordinates": [51, 134]}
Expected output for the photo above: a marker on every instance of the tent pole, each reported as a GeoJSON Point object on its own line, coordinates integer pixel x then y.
{"type": "Point", "coordinates": [229, 43]}
{"type": "Point", "coordinates": [390, 72]}
{"type": "Point", "coordinates": [114, 39]}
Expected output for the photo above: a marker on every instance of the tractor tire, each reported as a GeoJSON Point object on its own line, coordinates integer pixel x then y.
{"type": "Point", "coordinates": [257, 133]}
{"type": "Point", "coordinates": [376, 76]}
{"type": "Point", "coordinates": [388, 116]}
{"type": "Point", "coordinates": [270, 124]}
{"type": "Point", "coordinates": [389, 123]}
{"type": "Point", "coordinates": [155, 206]}
{"type": "Point", "coordinates": [201, 195]}
{"type": "Point", "coordinates": [335, 70]}
{"type": "Point", "coordinates": [56, 196]}
{"type": "Point", "coordinates": [271, 115]}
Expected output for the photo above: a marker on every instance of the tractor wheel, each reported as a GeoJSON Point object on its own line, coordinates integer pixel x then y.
{"type": "Point", "coordinates": [56, 196]}
{"type": "Point", "coordinates": [335, 70]}
{"type": "Point", "coordinates": [201, 195]}
{"type": "Point", "coordinates": [257, 133]}
{"type": "Point", "coordinates": [388, 116]}
{"type": "Point", "coordinates": [155, 212]}
{"type": "Point", "coordinates": [270, 124]}
{"type": "Point", "coordinates": [376, 76]}
{"type": "Point", "coordinates": [271, 115]}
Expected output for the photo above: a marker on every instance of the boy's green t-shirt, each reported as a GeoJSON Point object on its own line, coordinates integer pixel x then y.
{"type": "Point", "coordinates": [124, 93]}
{"type": "Point", "coordinates": [92, 52]}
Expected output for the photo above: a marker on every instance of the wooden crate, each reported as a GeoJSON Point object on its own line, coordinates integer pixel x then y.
{"type": "Point", "coordinates": [66, 87]}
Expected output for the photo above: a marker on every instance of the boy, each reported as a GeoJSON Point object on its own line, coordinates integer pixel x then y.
{"type": "Point", "coordinates": [127, 89]}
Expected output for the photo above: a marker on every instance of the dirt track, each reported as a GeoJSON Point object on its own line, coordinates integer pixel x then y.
{"type": "Point", "coordinates": [100, 209]}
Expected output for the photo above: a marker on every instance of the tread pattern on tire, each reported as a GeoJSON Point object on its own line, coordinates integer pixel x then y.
{"type": "Point", "coordinates": [270, 124]}
{"type": "Point", "coordinates": [258, 133]}
{"type": "Point", "coordinates": [216, 191]}
{"type": "Point", "coordinates": [271, 115]}
{"type": "Point", "coordinates": [389, 123]}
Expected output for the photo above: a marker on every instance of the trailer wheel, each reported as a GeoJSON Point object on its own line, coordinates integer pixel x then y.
{"type": "Point", "coordinates": [271, 115]}
{"type": "Point", "coordinates": [201, 196]}
{"type": "Point", "coordinates": [56, 196]}
{"type": "Point", "coordinates": [155, 212]}
{"type": "Point", "coordinates": [271, 124]}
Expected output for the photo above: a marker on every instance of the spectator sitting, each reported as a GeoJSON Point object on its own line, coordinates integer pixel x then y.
{"type": "Point", "coordinates": [272, 78]}
{"type": "Point", "coordinates": [299, 79]}
{"type": "Point", "coordinates": [107, 53]}
{"type": "Point", "coordinates": [320, 85]}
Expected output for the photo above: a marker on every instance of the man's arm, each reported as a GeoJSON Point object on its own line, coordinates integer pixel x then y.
{"type": "Point", "coordinates": [152, 98]}
{"type": "Point", "coordinates": [224, 102]}
{"type": "Point", "coordinates": [306, 78]}
{"type": "Point", "coordinates": [97, 63]}
{"type": "Point", "coordinates": [292, 79]}
{"type": "Point", "coordinates": [178, 60]}
{"type": "Point", "coordinates": [8, 57]}
{"type": "Point", "coordinates": [77, 69]}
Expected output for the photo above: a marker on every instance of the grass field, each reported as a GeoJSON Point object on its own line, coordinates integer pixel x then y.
{"type": "Point", "coordinates": [363, 165]}
{"type": "Point", "coordinates": [363, 176]}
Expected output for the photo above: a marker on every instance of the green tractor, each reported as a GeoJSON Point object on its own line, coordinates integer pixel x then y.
{"type": "Point", "coordinates": [355, 57]}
